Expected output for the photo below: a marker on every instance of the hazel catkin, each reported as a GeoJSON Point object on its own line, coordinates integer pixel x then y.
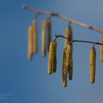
{"type": "Point", "coordinates": [92, 63]}
{"type": "Point", "coordinates": [68, 54]}
{"type": "Point", "coordinates": [54, 57]}
{"type": "Point", "coordinates": [44, 38]}
{"type": "Point", "coordinates": [49, 32]}
{"type": "Point", "coordinates": [70, 68]}
{"type": "Point", "coordinates": [50, 57]}
{"type": "Point", "coordinates": [30, 42]}
{"type": "Point", "coordinates": [101, 50]}
{"type": "Point", "coordinates": [34, 36]}
{"type": "Point", "coordinates": [64, 69]}
{"type": "Point", "coordinates": [68, 34]}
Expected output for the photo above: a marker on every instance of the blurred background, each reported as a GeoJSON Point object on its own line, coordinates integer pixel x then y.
{"type": "Point", "coordinates": [24, 81]}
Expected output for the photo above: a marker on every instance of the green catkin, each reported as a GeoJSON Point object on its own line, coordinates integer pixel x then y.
{"type": "Point", "coordinates": [68, 54]}
{"type": "Point", "coordinates": [30, 44]}
{"type": "Point", "coordinates": [54, 56]}
{"type": "Point", "coordinates": [44, 38]}
{"type": "Point", "coordinates": [34, 36]}
{"type": "Point", "coordinates": [68, 34]}
{"type": "Point", "coordinates": [49, 32]}
{"type": "Point", "coordinates": [51, 57]}
{"type": "Point", "coordinates": [101, 50]}
{"type": "Point", "coordinates": [64, 69]}
{"type": "Point", "coordinates": [92, 63]}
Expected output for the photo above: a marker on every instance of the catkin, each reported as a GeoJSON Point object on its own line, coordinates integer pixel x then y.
{"type": "Point", "coordinates": [92, 63]}
{"type": "Point", "coordinates": [68, 34]}
{"type": "Point", "coordinates": [30, 44]}
{"type": "Point", "coordinates": [70, 67]}
{"type": "Point", "coordinates": [54, 57]}
{"type": "Point", "coordinates": [64, 69]}
{"type": "Point", "coordinates": [51, 57]}
{"type": "Point", "coordinates": [34, 36]}
{"type": "Point", "coordinates": [44, 38]}
{"type": "Point", "coordinates": [49, 32]}
{"type": "Point", "coordinates": [101, 49]}
{"type": "Point", "coordinates": [68, 55]}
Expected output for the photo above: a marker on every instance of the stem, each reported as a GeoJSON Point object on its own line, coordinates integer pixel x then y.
{"type": "Point", "coordinates": [63, 17]}
{"type": "Point", "coordinates": [78, 40]}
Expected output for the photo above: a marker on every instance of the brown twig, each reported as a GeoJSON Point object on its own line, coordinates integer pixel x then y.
{"type": "Point", "coordinates": [63, 17]}
{"type": "Point", "coordinates": [78, 40]}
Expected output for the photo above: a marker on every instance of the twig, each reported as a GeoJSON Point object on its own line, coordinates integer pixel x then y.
{"type": "Point", "coordinates": [63, 17]}
{"type": "Point", "coordinates": [78, 40]}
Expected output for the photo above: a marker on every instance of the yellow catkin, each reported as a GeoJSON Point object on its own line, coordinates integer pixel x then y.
{"type": "Point", "coordinates": [54, 58]}
{"type": "Point", "coordinates": [92, 63]}
{"type": "Point", "coordinates": [50, 58]}
{"type": "Point", "coordinates": [68, 53]}
{"type": "Point", "coordinates": [68, 34]}
{"type": "Point", "coordinates": [64, 69]}
{"type": "Point", "coordinates": [101, 50]}
{"type": "Point", "coordinates": [70, 67]}
{"type": "Point", "coordinates": [44, 38]}
{"type": "Point", "coordinates": [30, 34]}
{"type": "Point", "coordinates": [49, 32]}
{"type": "Point", "coordinates": [34, 36]}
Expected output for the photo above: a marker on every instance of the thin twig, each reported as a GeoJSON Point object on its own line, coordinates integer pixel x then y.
{"type": "Point", "coordinates": [63, 17]}
{"type": "Point", "coordinates": [36, 16]}
{"type": "Point", "coordinates": [78, 40]}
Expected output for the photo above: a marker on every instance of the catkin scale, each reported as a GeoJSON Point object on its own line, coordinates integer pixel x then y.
{"type": "Point", "coordinates": [92, 63]}
{"type": "Point", "coordinates": [34, 36]}
{"type": "Point", "coordinates": [49, 32]}
{"type": "Point", "coordinates": [44, 38]}
{"type": "Point", "coordinates": [101, 50]}
{"type": "Point", "coordinates": [30, 34]}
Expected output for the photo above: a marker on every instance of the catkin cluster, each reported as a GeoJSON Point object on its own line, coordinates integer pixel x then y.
{"type": "Point", "coordinates": [32, 39]}
{"type": "Point", "coordinates": [92, 63]}
{"type": "Point", "coordinates": [67, 64]}
{"type": "Point", "coordinates": [101, 50]}
{"type": "Point", "coordinates": [52, 61]}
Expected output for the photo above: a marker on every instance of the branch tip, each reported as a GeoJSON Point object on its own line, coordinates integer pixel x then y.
{"type": "Point", "coordinates": [24, 6]}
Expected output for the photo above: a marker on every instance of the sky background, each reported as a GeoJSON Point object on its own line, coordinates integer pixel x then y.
{"type": "Point", "coordinates": [24, 81]}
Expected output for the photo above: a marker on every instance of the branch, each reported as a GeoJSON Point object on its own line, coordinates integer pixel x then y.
{"type": "Point", "coordinates": [57, 36]}
{"type": "Point", "coordinates": [63, 17]}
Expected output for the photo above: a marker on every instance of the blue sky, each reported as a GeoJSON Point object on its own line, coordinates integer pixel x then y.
{"type": "Point", "coordinates": [28, 81]}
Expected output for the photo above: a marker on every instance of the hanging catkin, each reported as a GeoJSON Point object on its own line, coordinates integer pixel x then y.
{"type": "Point", "coordinates": [34, 36]}
{"type": "Point", "coordinates": [49, 32]}
{"type": "Point", "coordinates": [64, 69]}
{"type": "Point", "coordinates": [54, 57]}
{"type": "Point", "coordinates": [30, 44]}
{"type": "Point", "coordinates": [68, 55]}
{"type": "Point", "coordinates": [50, 58]}
{"type": "Point", "coordinates": [44, 38]}
{"type": "Point", "coordinates": [68, 34]}
{"type": "Point", "coordinates": [101, 49]}
{"type": "Point", "coordinates": [92, 63]}
{"type": "Point", "coordinates": [70, 68]}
